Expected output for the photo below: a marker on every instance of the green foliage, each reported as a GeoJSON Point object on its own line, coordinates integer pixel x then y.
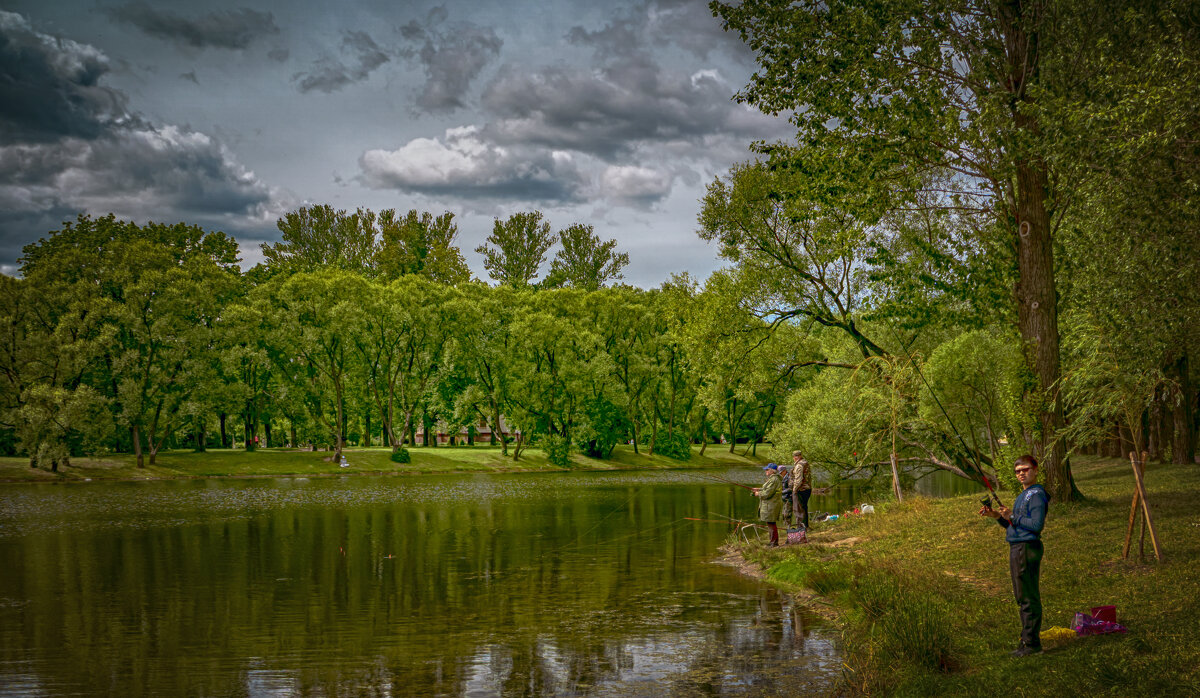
{"type": "Point", "coordinates": [605, 425]}
{"type": "Point", "coordinates": [322, 236]}
{"type": "Point", "coordinates": [516, 249]}
{"type": "Point", "coordinates": [400, 455]}
{"type": "Point", "coordinates": [980, 379]}
{"type": "Point", "coordinates": [677, 447]}
{"type": "Point", "coordinates": [418, 243]}
{"type": "Point", "coordinates": [557, 449]}
{"type": "Point", "coordinates": [585, 262]}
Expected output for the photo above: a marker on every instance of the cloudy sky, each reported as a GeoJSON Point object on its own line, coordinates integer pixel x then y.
{"type": "Point", "coordinates": [226, 114]}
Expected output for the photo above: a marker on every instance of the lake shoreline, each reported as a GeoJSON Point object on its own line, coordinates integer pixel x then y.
{"type": "Point", "coordinates": [218, 464]}
{"type": "Point", "coordinates": [957, 595]}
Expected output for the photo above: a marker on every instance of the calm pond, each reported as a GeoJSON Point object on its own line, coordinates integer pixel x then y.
{"type": "Point", "coordinates": [529, 584]}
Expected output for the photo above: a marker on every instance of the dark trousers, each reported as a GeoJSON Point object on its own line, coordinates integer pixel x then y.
{"type": "Point", "coordinates": [1025, 564]}
{"type": "Point", "coordinates": [774, 533]}
{"type": "Point", "coordinates": [802, 506]}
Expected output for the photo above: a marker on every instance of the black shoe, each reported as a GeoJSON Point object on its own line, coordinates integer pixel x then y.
{"type": "Point", "coordinates": [1024, 651]}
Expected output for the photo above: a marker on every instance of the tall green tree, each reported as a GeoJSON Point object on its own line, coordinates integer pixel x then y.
{"type": "Point", "coordinates": [585, 261]}
{"type": "Point", "coordinates": [322, 236]}
{"type": "Point", "coordinates": [950, 93]}
{"type": "Point", "coordinates": [139, 300]}
{"type": "Point", "coordinates": [484, 351]}
{"type": "Point", "coordinates": [515, 251]}
{"type": "Point", "coordinates": [310, 319]}
{"type": "Point", "coordinates": [418, 243]}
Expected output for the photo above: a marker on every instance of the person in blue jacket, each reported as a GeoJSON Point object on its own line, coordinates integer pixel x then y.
{"type": "Point", "coordinates": [1023, 530]}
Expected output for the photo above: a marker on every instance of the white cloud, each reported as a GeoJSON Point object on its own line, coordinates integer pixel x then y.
{"type": "Point", "coordinates": [463, 164]}
{"type": "Point", "coordinates": [635, 185]}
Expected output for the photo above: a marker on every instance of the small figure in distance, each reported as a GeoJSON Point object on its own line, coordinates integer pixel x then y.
{"type": "Point", "coordinates": [770, 502]}
{"type": "Point", "coordinates": [801, 487]}
{"type": "Point", "coordinates": [1023, 530]}
{"type": "Point", "coordinates": [786, 516]}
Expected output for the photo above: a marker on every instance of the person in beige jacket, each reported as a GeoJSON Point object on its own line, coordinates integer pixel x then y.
{"type": "Point", "coordinates": [801, 488]}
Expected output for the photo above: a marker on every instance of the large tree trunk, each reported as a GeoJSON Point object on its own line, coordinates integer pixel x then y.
{"type": "Point", "coordinates": [1037, 303]}
{"type": "Point", "coordinates": [427, 424]}
{"type": "Point", "coordinates": [224, 440]}
{"type": "Point", "coordinates": [339, 424]}
{"type": "Point", "coordinates": [653, 431]}
{"type": "Point", "coordinates": [137, 446]}
{"type": "Point", "coordinates": [248, 431]}
{"type": "Point", "coordinates": [497, 430]}
{"type": "Point", "coordinates": [1166, 425]}
{"type": "Point", "coordinates": [1183, 445]}
{"type": "Point", "coordinates": [1154, 432]}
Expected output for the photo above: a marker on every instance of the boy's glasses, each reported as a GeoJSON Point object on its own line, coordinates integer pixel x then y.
{"type": "Point", "coordinates": [1019, 471]}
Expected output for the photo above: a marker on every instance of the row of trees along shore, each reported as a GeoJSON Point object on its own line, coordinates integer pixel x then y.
{"type": "Point", "coordinates": [363, 326]}
{"type": "Point", "coordinates": [984, 240]}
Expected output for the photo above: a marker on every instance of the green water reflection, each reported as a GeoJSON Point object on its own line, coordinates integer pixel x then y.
{"type": "Point", "coordinates": [556, 584]}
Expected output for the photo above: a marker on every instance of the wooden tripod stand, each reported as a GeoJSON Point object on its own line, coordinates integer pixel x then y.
{"type": "Point", "coordinates": [1139, 502]}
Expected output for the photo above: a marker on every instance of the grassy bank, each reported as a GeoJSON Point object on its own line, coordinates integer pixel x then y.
{"type": "Point", "coordinates": [923, 594]}
{"type": "Point", "coordinates": [283, 462]}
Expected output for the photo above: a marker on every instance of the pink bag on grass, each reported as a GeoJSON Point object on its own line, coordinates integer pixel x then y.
{"type": "Point", "coordinates": [1088, 625]}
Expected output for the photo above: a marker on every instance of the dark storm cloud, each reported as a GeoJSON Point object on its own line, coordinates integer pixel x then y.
{"type": "Point", "coordinates": [190, 76]}
{"type": "Point", "coordinates": [231, 29]}
{"type": "Point", "coordinates": [609, 112]}
{"type": "Point", "coordinates": [360, 57]}
{"type": "Point", "coordinates": [452, 58]}
{"type": "Point", "coordinates": [650, 25]}
{"type": "Point", "coordinates": [136, 173]}
{"type": "Point", "coordinates": [462, 166]}
{"type": "Point", "coordinates": [49, 86]}
{"type": "Point", "coordinates": [96, 158]}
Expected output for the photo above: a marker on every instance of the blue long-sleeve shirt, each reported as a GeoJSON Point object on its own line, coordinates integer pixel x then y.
{"type": "Point", "coordinates": [1028, 516]}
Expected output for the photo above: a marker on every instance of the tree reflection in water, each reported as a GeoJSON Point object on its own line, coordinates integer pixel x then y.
{"type": "Point", "coordinates": [562, 584]}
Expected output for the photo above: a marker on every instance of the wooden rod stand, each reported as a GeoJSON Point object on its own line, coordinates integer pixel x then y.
{"type": "Point", "coordinates": [1139, 502]}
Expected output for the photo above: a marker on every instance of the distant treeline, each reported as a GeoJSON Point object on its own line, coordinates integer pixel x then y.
{"type": "Point", "coordinates": [134, 338]}
{"type": "Point", "coordinates": [366, 328]}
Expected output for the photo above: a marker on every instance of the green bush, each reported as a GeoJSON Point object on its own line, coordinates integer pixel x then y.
{"type": "Point", "coordinates": [401, 456]}
{"type": "Point", "coordinates": [678, 447]}
{"type": "Point", "coordinates": [557, 448]}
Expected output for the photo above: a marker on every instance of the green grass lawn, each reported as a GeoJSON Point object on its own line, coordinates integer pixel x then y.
{"type": "Point", "coordinates": [280, 462]}
{"type": "Point", "coordinates": [926, 602]}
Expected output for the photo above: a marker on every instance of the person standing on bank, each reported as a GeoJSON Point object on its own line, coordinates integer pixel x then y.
{"type": "Point", "coordinates": [801, 488]}
{"type": "Point", "coordinates": [785, 517]}
{"type": "Point", "coordinates": [1023, 524]}
{"type": "Point", "coordinates": [770, 502]}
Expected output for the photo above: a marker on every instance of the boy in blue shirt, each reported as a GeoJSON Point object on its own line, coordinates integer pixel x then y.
{"type": "Point", "coordinates": [1023, 524]}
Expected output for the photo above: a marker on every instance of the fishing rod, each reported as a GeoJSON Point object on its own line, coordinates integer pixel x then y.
{"type": "Point", "coordinates": [739, 522]}
{"type": "Point", "coordinates": [730, 521]}
{"type": "Point", "coordinates": [716, 478]}
{"type": "Point", "coordinates": [978, 466]}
